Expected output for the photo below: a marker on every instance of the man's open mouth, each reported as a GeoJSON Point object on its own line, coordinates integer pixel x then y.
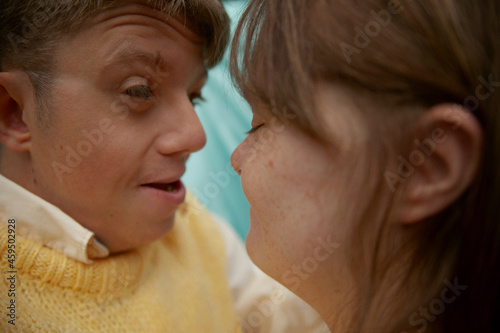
{"type": "Point", "coordinates": [170, 187]}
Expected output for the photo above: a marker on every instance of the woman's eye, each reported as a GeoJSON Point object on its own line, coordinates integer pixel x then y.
{"type": "Point", "coordinates": [254, 129]}
{"type": "Point", "coordinates": [196, 98]}
{"type": "Point", "coordinates": [139, 91]}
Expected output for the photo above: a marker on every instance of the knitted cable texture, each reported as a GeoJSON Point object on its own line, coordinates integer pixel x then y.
{"type": "Point", "coordinates": [177, 284]}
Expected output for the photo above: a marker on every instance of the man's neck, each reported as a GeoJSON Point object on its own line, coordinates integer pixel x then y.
{"type": "Point", "coordinates": [18, 168]}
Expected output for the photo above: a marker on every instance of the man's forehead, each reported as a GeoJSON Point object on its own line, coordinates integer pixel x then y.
{"type": "Point", "coordinates": [159, 10]}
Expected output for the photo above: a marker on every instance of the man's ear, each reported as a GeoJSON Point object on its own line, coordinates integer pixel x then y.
{"type": "Point", "coordinates": [445, 159]}
{"type": "Point", "coordinates": [14, 133]}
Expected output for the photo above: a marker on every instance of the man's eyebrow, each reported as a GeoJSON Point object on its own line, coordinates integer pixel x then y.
{"type": "Point", "coordinates": [157, 64]}
{"type": "Point", "coordinates": [155, 60]}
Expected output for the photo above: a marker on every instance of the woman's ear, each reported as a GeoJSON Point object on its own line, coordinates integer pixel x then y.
{"type": "Point", "coordinates": [444, 161]}
{"type": "Point", "coordinates": [14, 132]}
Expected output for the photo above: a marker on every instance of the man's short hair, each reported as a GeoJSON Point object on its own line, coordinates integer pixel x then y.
{"type": "Point", "coordinates": [31, 29]}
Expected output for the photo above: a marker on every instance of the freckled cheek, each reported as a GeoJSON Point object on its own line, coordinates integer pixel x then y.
{"type": "Point", "coordinates": [263, 185]}
{"type": "Point", "coordinates": [244, 154]}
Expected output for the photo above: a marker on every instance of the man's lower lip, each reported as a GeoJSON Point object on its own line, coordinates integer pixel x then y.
{"type": "Point", "coordinates": [174, 198]}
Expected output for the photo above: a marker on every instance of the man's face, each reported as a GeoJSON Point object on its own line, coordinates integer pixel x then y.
{"type": "Point", "coordinates": [123, 125]}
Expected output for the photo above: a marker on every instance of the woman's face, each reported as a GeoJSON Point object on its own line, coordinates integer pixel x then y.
{"type": "Point", "coordinates": [302, 194]}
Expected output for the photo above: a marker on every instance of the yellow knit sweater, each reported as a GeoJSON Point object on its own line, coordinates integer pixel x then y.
{"type": "Point", "coordinates": [177, 284]}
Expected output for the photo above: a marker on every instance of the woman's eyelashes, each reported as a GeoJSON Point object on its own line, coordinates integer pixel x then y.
{"type": "Point", "coordinates": [254, 129]}
{"type": "Point", "coordinates": [196, 98]}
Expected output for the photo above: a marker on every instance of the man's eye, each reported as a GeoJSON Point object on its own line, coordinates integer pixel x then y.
{"type": "Point", "coordinates": [140, 91]}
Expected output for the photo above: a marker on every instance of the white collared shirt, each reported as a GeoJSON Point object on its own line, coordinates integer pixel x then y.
{"type": "Point", "coordinates": [47, 224]}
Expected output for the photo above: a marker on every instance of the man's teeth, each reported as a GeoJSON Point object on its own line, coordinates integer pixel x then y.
{"type": "Point", "coordinates": [170, 188]}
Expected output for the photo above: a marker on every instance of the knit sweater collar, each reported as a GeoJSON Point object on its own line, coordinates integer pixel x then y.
{"type": "Point", "coordinates": [105, 277]}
